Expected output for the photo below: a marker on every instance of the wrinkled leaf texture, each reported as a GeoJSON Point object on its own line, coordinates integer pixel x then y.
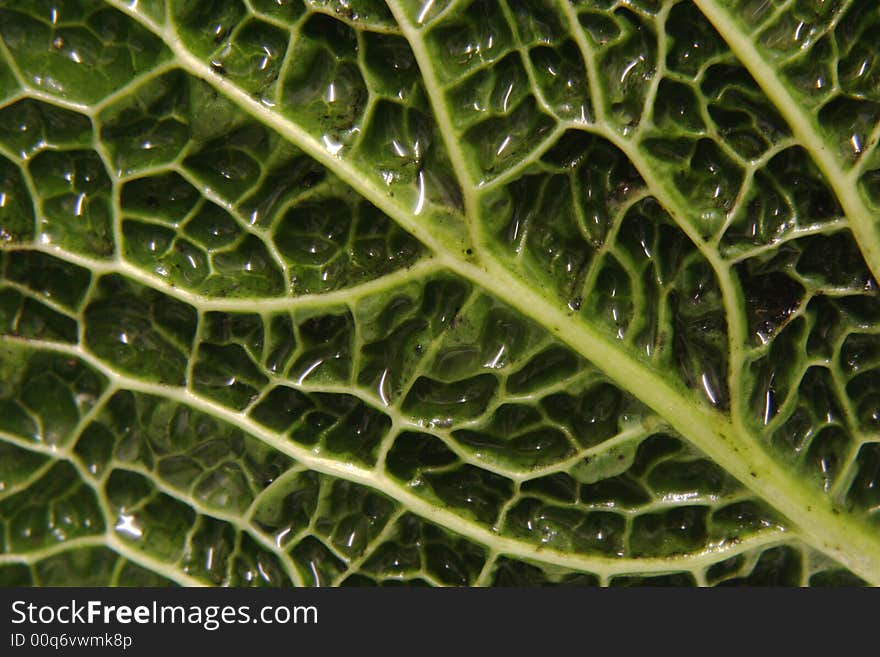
{"type": "Point", "coordinates": [445, 292]}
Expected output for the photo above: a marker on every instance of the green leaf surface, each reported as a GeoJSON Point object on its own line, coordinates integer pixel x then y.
{"type": "Point", "coordinates": [445, 292]}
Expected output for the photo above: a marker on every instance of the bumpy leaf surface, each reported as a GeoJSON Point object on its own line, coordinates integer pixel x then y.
{"type": "Point", "coordinates": [450, 292]}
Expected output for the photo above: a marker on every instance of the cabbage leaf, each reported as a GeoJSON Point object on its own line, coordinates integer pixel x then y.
{"type": "Point", "coordinates": [444, 292]}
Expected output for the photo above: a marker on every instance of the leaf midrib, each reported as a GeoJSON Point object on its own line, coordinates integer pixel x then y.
{"type": "Point", "coordinates": [825, 527]}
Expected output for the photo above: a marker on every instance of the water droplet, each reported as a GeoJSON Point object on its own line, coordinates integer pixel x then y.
{"type": "Point", "coordinates": [127, 524]}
